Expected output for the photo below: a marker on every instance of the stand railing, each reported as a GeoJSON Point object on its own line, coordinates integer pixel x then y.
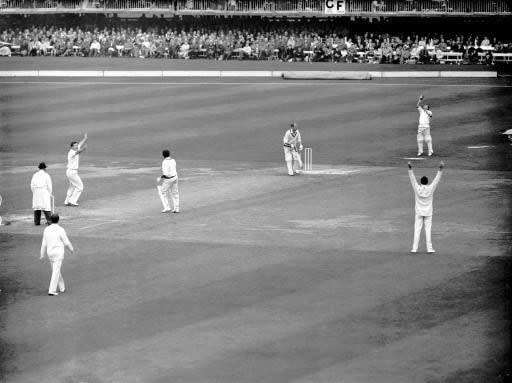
{"type": "Point", "coordinates": [248, 7]}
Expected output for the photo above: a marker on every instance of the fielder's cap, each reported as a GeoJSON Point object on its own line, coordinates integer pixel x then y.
{"type": "Point", "coordinates": [42, 165]}
{"type": "Point", "coordinates": [509, 132]}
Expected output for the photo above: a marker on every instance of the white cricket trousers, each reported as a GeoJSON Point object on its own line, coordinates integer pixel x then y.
{"type": "Point", "coordinates": [424, 136]}
{"type": "Point", "coordinates": [292, 159]}
{"type": "Point", "coordinates": [56, 259]}
{"type": "Point", "coordinates": [76, 187]}
{"type": "Point", "coordinates": [418, 224]}
{"type": "Point", "coordinates": [170, 193]}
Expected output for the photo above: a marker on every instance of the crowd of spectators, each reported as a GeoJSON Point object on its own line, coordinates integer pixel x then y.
{"type": "Point", "coordinates": [298, 43]}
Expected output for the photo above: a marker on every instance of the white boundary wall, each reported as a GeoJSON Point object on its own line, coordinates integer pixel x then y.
{"type": "Point", "coordinates": [228, 73]}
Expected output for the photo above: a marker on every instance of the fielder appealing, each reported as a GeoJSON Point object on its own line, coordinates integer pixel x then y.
{"type": "Point", "coordinates": [424, 195]}
{"type": "Point", "coordinates": [424, 127]}
{"type": "Point", "coordinates": [41, 186]}
{"type": "Point", "coordinates": [54, 240]}
{"type": "Point", "coordinates": [292, 145]}
{"type": "Point", "coordinates": [168, 184]}
{"type": "Point", "coordinates": [76, 186]}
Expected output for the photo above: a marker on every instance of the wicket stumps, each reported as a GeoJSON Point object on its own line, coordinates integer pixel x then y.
{"type": "Point", "coordinates": [308, 159]}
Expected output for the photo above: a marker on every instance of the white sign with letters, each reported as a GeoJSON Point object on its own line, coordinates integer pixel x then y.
{"type": "Point", "coordinates": [334, 7]}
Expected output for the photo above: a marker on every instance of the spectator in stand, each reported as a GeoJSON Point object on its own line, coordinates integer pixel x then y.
{"type": "Point", "coordinates": [110, 46]}
{"type": "Point", "coordinates": [45, 47]}
{"type": "Point", "coordinates": [219, 41]}
{"type": "Point", "coordinates": [397, 54]}
{"type": "Point", "coordinates": [486, 44]}
{"type": "Point", "coordinates": [290, 48]}
{"type": "Point", "coordinates": [442, 46]}
{"type": "Point", "coordinates": [431, 46]}
{"type": "Point", "coordinates": [32, 48]}
{"type": "Point", "coordinates": [184, 50]}
{"type": "Point", "coordinates": [352, 52]}
{"type": "Point", "coordinates": [422, 43]}
{"type": "Point", "coordinates": [95, 48]}
{"type": "Point", "coordinates": [406, 54]}
{"type": "Point", "coordinates": [458, 47]}
{"type": "Point", "coordinates": [472, 55]}
{"type": "Point", "coordinates": [387, 53]}
{"type": "Point", "coordinates": [415, 53]}
{"type": "Point", "coordinates": [246, 51]}
{"type": "Point", "coordinates": [424, 56]}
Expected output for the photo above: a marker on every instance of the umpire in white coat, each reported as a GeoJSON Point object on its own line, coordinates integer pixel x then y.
{"type": "Point", "coordinates": [424, 196]}
{"type": "Point", "coordinates": [41, 186]}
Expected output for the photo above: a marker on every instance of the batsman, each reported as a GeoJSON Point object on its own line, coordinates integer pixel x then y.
{"type": "Point", "coordinates": [292, 145]}
{"type": "Point", "coordinates": [167, 184]}
{"type": "Point", "coordinates": [425, 115]}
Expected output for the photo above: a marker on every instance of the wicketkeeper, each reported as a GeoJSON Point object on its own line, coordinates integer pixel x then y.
{"type": "Point", "coordinates": [292, 145]}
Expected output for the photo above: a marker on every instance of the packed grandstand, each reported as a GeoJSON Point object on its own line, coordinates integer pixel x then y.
{"type": "Point", "coordinates": [362, 31]}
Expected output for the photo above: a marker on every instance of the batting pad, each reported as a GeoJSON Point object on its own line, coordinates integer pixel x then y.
{"type": "Point", "coordinates": [326, 75]}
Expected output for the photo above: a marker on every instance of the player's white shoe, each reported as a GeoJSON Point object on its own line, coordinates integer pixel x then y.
{"type": "Point", "coordinates": [431, 153]}
{"type": "Point", "coordinates": [414, 251]}
{"type": "Point", "coordinates": [166, 210]}
{"type": "Point", "coordinates": [431, 251]}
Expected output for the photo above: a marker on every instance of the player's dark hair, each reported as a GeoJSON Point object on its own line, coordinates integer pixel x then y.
{"type": "Point", "coordinates": [42, 165]}
{"type": "Point", "coordinates": [73, 142]}
{"type": "Point", "coordinates": [166, 153]}
{"type": "Point", "coordinates": [54, 218]}
{"type": "Point", "coordinates": [424, 180]}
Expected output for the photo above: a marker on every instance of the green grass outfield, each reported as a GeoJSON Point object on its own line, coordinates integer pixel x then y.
{"type": "Point", "coordinates": [263, 277]}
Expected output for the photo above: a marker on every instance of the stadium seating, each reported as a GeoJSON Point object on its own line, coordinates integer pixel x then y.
{"type": "Point", "coordinates": [228, 29]}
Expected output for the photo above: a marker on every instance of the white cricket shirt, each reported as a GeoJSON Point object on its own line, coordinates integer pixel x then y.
{"type": "Point", "coordinates": [425, 116]}
{"type": "Point", "coordinates": [73, 159]}
{"type": "Point", "coordinates": [424, 194]}
{"type": "Point", "coordinates": [290, 138]}
{"type": "Point", "coordinates": [169, 167]}
{"type": "Point", "coordinates": [54, 239]}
